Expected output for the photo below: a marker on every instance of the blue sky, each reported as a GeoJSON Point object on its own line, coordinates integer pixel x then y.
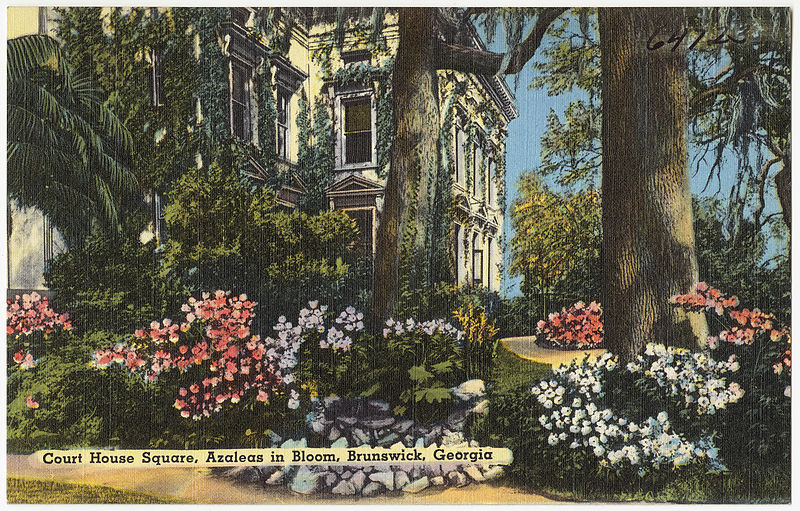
{"type": "Point", "coordinates": [523, 146]}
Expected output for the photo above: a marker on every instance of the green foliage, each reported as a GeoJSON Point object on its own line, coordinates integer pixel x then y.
{"type": "Point", "coordinates": [225, 236]}
{"type": "Point", "coordinates": [556, 242]}
{"type": "Point", "coordinates": [65, 146]}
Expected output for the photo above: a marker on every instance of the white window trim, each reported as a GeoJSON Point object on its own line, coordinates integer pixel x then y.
{"type": "Point", "coordinates": [340, 101]}
{"type": "Point", "coordinates": [252, 100]}
{"type": "Point", "coordinates": [288, 125]}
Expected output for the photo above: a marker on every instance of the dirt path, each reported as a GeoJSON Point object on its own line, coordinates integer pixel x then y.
{"type": "Point", "coordinates": [525, 347]}
{"type": "Point", "coordinates": [200, 485]}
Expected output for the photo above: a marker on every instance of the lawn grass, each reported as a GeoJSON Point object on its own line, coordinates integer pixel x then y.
{"type": "Point", "coordinates": [512, 371]}
{"type": "Point", "coordinates": [23, 490]}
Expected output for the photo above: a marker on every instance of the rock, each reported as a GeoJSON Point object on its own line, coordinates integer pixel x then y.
{"type": "Point", "coordinates": [347, 420]}
{"type": "Point", "coordinates": [344, 488]}
{"type": "Point", "coordinates": [340, 442]}
{"type": "Point", "coordinates": [360, 437]}
{"type": "Point", "coordinates": [317, 425]}
{"type": "Point", "coordinates": [493, 472]}
{"type": "Point", "coordinates": [481, 407]}
{"type": "Point", "coordinates": [378, 423]}
{"type": "Point", "coordinates": [400, 479]}
{"type": "Point", "coordinates": [437, 481]}
{"type": "Point", "coordinates": [385, 478]}
{"type": "Point", "coordinates": [347, 474]}
{"type": "Point", "coordinates": [305, 481]}
{"type": "Point", "coordinates": [358, 480]}
{"type": "Point", "coordinates": [415, 473]}
{"type": "Point", "coordinates": [446, 468]}
{"type": "Point", "coordinates": [338, 469]}
{"type": "Point", "coordinates": [417, 485]}
{"type": "Point", "coordinates": [420, 443]}
{"type": "Point", "coordinates": [474, 472]}
{"type": "Point", "coordinates": [457, 479]}
{"type": "Point", "coordinates": [469, 389]}
{"type": "Point", "coordinates": [275, 478]}
{"type": "Point", "coordinates": [329, 478]}
{"type": "Point", "coordinates": [432, 470]}
{"type": "Point", "coordinates": [391, 437]}
{"type": "Point", "coordinates": [371, 489]}
{"type": "Point", "coordinates": [334, 434]}
{"type": "Point", "coordinates": [403, 426]}
{"type": "Point", "coordinates": [380, 405]}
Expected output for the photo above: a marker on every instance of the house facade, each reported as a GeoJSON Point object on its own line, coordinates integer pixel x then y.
{"type": "Point", "coordinates": [313, 59]}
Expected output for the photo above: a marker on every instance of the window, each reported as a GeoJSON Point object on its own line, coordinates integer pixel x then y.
{"type": "Point", "coordinates": [492, 182]}
{"type": "Point", "coordinates": [282, 123]}
{"type": "Point", "coordinates": [477, 165]}
{"type": "Point", "coordinates": [489, 263]}
{"type": "Point", "coordinates": [241, 126]}
{"type": "Point", "coordinates": [357, 130]}
{"type": "Point", "coordinates": [158, 81]}
{"type": "Point", "coordinates": [460, 155]}
{"type": "Point", "coordinates": [477, 262]}
{"type": "Point", "coordinates": [363, 219]}
{"type": "Point", "coordinates": [458, 252]}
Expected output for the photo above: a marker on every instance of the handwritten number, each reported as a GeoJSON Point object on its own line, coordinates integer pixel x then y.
{"type": "Point", "coordinates": [699, 38]}
{"type": "Point", "coordinates": [657, 45]}
{"type": "Point", "coordinates": [677, 38]}
{"type": "Point", "coordinates": [720, 39]}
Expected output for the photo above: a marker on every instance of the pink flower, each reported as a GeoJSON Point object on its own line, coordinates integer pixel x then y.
{"type": "Point", "coordinates": [31, 403]}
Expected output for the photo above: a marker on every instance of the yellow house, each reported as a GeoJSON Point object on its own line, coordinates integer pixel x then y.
{"type": "Point", "coordinates": [340, 65]}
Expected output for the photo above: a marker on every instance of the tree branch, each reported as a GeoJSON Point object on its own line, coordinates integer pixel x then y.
{"type": "Point", "coordinates": [476, 61]}
{"type": "Point", "coordinates": [729, 84]}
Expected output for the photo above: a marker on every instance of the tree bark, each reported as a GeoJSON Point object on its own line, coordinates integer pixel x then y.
{"type": "Point", "coordinates": [409, 192]}
{"type": "Point", "coordinates": [648, 237]}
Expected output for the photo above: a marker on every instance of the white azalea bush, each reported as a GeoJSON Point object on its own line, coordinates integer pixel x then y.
{"type": "Point", "coordinates": [581, 412]}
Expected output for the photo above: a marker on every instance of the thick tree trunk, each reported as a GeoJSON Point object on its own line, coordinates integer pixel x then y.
{"type": "Point", "coordinates": [409, 191]}
{"type": "Point", "coordinates": [648, 236]}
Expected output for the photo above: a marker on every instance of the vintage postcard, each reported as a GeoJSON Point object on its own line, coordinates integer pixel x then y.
{"type": "Point", "coordinates": [415, 255]}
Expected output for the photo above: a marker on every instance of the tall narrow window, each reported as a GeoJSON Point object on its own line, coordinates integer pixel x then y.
{"type": "Point", "coordinates": [492, 180]}
{"type": "Point", "coordinates": [460, 155]}
{"type": "Point", "coordinates": [458, 252]}
{"type": "Point", "coordinates": [477, 262]}
{"type": "Point", "coordinates": [240, 101]}
{"type": "Point", "coordinates": [158, 80]}
{"type": "Point", "coordinates": [282, 123]}
{"type": "Point", "coordinates": [358, 130]}
{"type": "Point", "coordinates": [477, 165]}
{"type": "Point", "coordinates": [490, 264]}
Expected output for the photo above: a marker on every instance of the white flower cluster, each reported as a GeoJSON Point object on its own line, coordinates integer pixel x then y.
{"type": "Point", "coordinates": [427, 327]}
{"type": "Point", "coordinates": [575, 419]}
{"type": "Point", "coordinates": [694, 375]}
{"type": "Point", "coordinates": [313, 318]}
{"type": "Point", "coordinates": [283, 349]}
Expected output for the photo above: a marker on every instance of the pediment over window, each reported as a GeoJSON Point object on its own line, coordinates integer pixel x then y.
{"type": "Point", "coordinates": [355, 183]}
{"type": "Point", "coordinates": [354, 190]}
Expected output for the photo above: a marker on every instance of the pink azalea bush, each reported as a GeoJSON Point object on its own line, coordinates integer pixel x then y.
{"type": "Point", "coordinates": [745, 324]}
{"type": "Point", "coordinates": [26, 316]}
{"type": "Point", "coordinates": [580, 326]}
{"type": "Point", "coordinates": [215, 335]}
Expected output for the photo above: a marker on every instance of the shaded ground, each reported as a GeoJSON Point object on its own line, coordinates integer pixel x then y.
{"type": "Point", "coordinates": [526, 348]}
{"type": "Point", "coordinates": [201, 485]}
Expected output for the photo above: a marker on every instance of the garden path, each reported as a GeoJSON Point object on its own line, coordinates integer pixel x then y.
{"type": "Point", "coordinates": [201, 485]}
{"type": "Point", "coordinates": [527, 348]}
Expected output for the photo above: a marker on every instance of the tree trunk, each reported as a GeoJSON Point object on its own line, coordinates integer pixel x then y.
{"type": "Point", "coordinates": [409, 191]}
{"type": "Point", "coordinates": [648, 237]}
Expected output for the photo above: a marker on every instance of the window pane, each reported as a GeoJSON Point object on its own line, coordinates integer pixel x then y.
{"type": "Point", "coordinates": [358, 147]}
{"type": "Point", "coordinates": [282, 142]}
{"type": "Point", "coordinates": [240, 127]}
{"type": "Point", "coordinates": [460, 156]}
{"type": "Point", "coordinates": [358, 116]}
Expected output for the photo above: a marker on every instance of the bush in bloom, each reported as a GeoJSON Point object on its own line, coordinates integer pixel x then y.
{"type": "Point", "coordinates": [27, 318]}
{"type": "Point", "coordinates": [580, 326]}
{"type": "Point", "coordinates": [581, 413]}
{"type": "Point", "coordinates": [745, 324]}
{"type": "Point", "coordinates": [216, 337]}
